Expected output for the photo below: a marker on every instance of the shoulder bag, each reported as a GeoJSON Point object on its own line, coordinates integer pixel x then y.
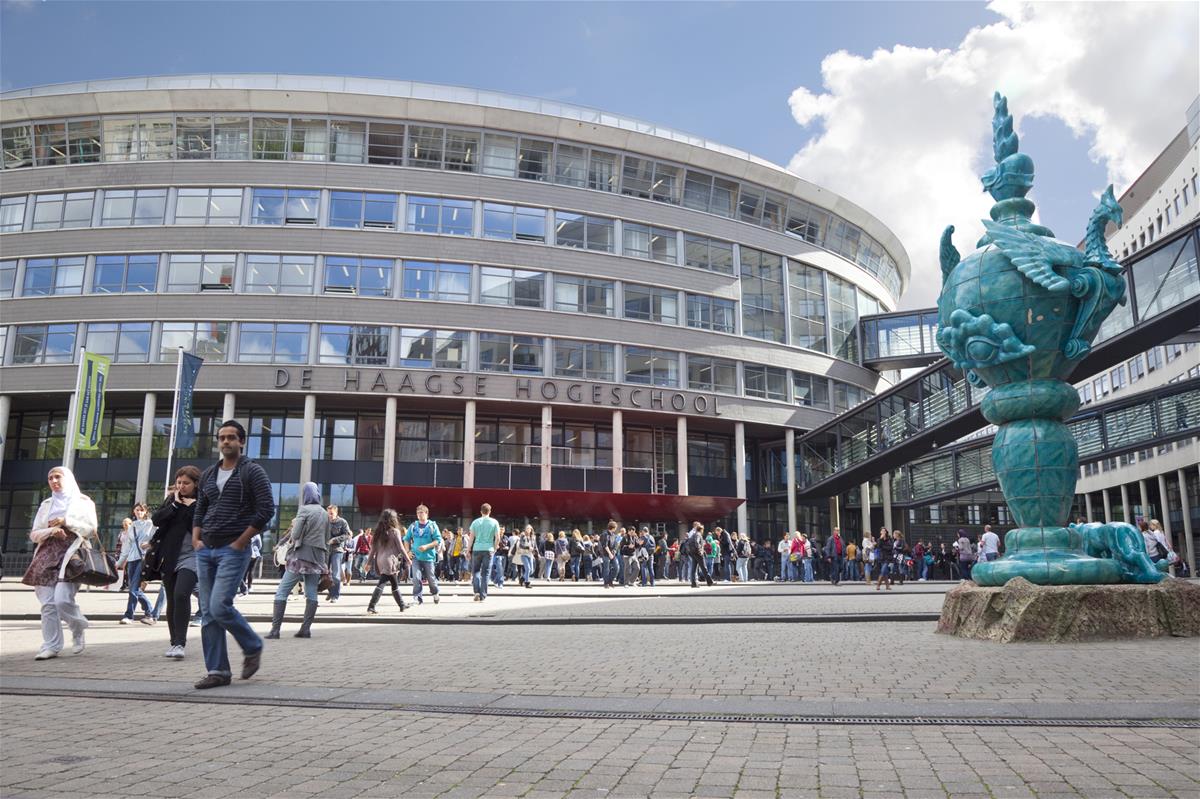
{"type": "Point", "coordinates": [90, 565]}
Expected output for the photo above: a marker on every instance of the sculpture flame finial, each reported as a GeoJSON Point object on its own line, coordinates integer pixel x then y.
{"type": "Point", "coordinates": [1013, 174]}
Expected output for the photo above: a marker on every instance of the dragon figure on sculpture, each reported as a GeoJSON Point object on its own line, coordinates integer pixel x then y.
{"type": "Point", "coordinates": [1017, 315]}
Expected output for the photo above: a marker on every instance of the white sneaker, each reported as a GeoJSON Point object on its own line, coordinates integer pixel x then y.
{"type": "Point", "coordinates": [79, 644]}
{"type": "Point", "coordinates": [149, 620]}
{"type": "Point", "coordinates": [175, 653]}
{"type": "Point", "coordinates": [125, 620]}
{"type": "Point", "coordinates": [45, 654]}
{"type": "Point", "coordinates": [180, 651]}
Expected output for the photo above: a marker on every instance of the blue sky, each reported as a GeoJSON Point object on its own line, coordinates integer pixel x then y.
{"type": "Point", "coordinates": [720, 70]}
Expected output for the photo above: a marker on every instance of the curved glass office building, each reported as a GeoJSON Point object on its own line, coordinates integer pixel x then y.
{"type": "Point", "coordinates": [411, 292]}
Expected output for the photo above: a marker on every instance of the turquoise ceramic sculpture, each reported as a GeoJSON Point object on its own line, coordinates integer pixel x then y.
{"type": "Point", "coordinates": [1016, 315]}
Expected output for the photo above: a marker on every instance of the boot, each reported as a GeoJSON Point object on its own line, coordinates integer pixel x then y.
{"type": "Point", "coordinates": [277, 617]}
{"type": "Point", "coordinates": [399, 600]}
{"type": "Point", "coordinates": [310, 611]}
{"type": "Point", "coordinates": [374, 599]}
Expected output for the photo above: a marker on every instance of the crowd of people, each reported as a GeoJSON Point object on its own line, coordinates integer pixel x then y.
{"type": "Point", "coordinates": [205, 540]}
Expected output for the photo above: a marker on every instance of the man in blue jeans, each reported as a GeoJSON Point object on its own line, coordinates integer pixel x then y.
{"type": "Point", "coordinates": [234, 503]}
{"type": "Point", "coordinates": [483, 543]}
{"type": "Point", "coordinates": [422, 540]}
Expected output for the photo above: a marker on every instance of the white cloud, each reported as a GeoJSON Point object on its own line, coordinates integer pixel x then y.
{"type": "Point", "coordinates": [907, 131]}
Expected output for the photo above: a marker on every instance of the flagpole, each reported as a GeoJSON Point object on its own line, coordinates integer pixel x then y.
{"type": "Point", "coordinates": [174, 419]}
{"type": "Point", "coordinates": [72, 414]}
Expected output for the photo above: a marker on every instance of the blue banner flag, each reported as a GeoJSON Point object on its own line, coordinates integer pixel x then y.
{"type": "Point", "coordinates": [189, 367]}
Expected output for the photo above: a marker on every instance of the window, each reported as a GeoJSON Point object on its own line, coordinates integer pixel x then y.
{"type": "Point", "coordinates": [308, 140]}
{"type": "Point", "coordinates": [534, 159]}
{"type": "Point", "coordinates": [8, 278]}
{"type": "Point", "coordinates": [421, 439]}
{"type": "Point", "coordinates": [123, 342]}
{"type": "Point", "coordinates": [365, 345]}
{"type": "Point", "coordinates": [139, 139]}
{"type": "Point", "coordinates": [336, 439]}
{"type": "Point", "coordinates": [1118, 377]}
{"type": "Point", "coordinates": [846, 396]}
{"type": "Point", "coordinates": [583, 295]}
{"type": "Point", "coordinates": [385, 144]}
{"type": "Point", "coordinates": [425, 146]}
{"type": "Point", "coordinates": [436, 215]}
{"type": "Point", "coordinates": [711, 313]}
{"type": "Point", "coordinates": [571, 166]}
{"type": "Point", "coordinates": [462, 150]}
{"type": "Point", "coordinates": [583, 232]}
{"type": "Point", "coordinates": [125, 274]}
{"type": "Point", "coordinates": [347, 141]}
{"type": "Point", "coordinates": [208, 272]}
{"type": "Point", "coordinates": [358, 210]}
{"type": "Point", "coordinates": [520, 287]}
{"type": "Point", "coordinates": [710, 455]}
{"type": "Point", "coordinates": [53, 211]}
{"type": "Point", "coordinates": [643, 241]}
{"type": "Point", "coordinates": [637, 177]}
{"type": "Point", "coordinates": [750, 205]}
{"type": "Point", "coordinates": [766, 382]}
{"type": "Point", "coordinates": [653, 304]}
{"type": "Point", "coordinates": [582, 444]}
{"type": "Point", "coordinates": [514, 222]}
{"type": "Point", "coordinates": [433, 349]}
{"type": "Point", "coordinates": [17, 144]}
{"type": "Point", "coordinates": [274, 436]}
{"type": "Point", "coordinates": [427, 280]}
{"type": "Point", "coordinates": [697, 190]}
{"type": "Point", "coordinates": [46, 277]}
{"type": "Point", "coordinates": [585, 360]}
{"type": "Point", "coordinates": [502, 352]}
{"type": "Point", "coordinates": [208, 207]}
{"type": "Point", "coordinates": [651, 367]}
{"type": "Point", "coordinates": [807, 306]}
{"type": "Point", "coordinates": [811, 390]}
{"type": "Point", "coordinates": [499, 155]}
{"type": "Point", "coordinates": [208, 340]}
{"type": "Point", "coordinates": [285, 207]}
{"type": "Point", "coordinates": [44, 344]}
{"type": "Point", "coordinates": [12, 214]}
{"type": "Point", "coordinates": [705, 253]}
{"type": "Point", "coordinates": [668, 184]}
{"type": "Point", "coordinates": [280, 274]}
{"type": "Point", "coordinates": [193, 138]}
{"type": "Point", "coordinates": [267, 343]}
{"type": "Point", "coordinates": [843, 319]}
{"type": "Point", "coordinates": [133, 207]}
{"type": "Point", "coordinates": [762, 295]}
{"type": "Point", "coordinates": [806, 221]}
{"type": "Point", "coordinates": [232, 138]}
{"type": "Point", "coordinates": [3, 343]}
{"type": "Point", "coordinates": [366, 277]}
{"type": "Point", "coordinates": [712, 374]}
{"type": "Point", "coordinates": [1137, 369]}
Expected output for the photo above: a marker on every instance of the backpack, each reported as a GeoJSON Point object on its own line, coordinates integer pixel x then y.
{"type": "Point", "coordinates": [708, 549]}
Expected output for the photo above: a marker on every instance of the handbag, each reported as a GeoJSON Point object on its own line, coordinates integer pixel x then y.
{"type": "Point", "coordinates": [91, 566]}
{"type": "Point", "coordinates": [325, 583]}
{"type": "Point", "coordinates": [152, 560]}
{"type": "Point", "coordinates": [281, 552]}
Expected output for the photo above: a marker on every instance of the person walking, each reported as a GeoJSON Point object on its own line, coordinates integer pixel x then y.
{"type": "Point", "coordinates": [362, 548]}
{"type": "Point", "coordinates": [990, 544]}
{"type": "Point", "coordinates": [307, 560]}
{"type": "Point", "coordinates": [504, 546]}
{"type": "Point", "coordinates": [966, 555]}
{"type": "Point", "coordinates": [234, 503]}
{"type": "Point", "coordinates": [174, 520]}
{"type": "Point", "coordinates": [135, 540]}
{"type": "Point", "coordinates": [546, 548]}
{"type": "Point", "coordinates": [422, 539]}
{"type": "Point", "coordinates": [743, 557]}
{"type": "Point", "coordinates": [693, 549]}
{"type": "Point", "coordinates": [64, 522]}
{"type": "Point", "coordinates": [868, 555]}
{"type": "Point", "coordinates": [835, 553]}
{"type": "Point", "coordinates": [386, 559]}
{"type": "Point", "coordinates": [606, 552]}
{"type": "Point", "coordinates": [339, 534]}
{"type": "Point", "coordinates": [483, 543]}
{"type": "Point", "coordinates": [647, 545]}
{"type": "Point", "coordinates": [884, 558]}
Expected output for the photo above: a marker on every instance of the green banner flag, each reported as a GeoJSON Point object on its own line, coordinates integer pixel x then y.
{"type": "Point", "coordinates": [89, 397]}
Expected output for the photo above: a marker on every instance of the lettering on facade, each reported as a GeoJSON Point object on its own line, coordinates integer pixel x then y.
{"type": "Point", "coordinates": [386, 381]}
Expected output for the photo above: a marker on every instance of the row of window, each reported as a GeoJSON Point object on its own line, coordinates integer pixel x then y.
{"type": "Point", "coordinates": [1131, 371]}
{"type": "Point", "coordinates": [421, 348]}
{"type": "Point", "coordinates": [225, 137]}
{"type": "Point", "coordinates": [1154, 224]}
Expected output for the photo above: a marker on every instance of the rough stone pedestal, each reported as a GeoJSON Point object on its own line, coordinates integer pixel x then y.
{"type": "Point", "coordinates": [1022, 611]}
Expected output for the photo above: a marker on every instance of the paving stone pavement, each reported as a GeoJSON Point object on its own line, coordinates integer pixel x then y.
{"type": "Point", "coordinates": [78, 747]}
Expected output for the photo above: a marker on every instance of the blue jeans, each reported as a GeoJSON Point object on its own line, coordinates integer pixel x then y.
{"type": "Point", "coordinates": [481, 564]}
{"type": "Point", "coordinates": [219, 572]}
{"type": "Point", "coordinates": [608, 567]}
{"type": "Point", "coordinates": [288, 581]}
{"type": "Point", "coordinates": [647, 575]}
{"type": "Point", "coordinates": [620, 569]}
{"type": "Point", "coordinates": [529, 567]}
{"type": "Point", "coordinates": [686, 568]}
{"type": "Point", "coordinates": [424, 568]}
{"type": "Point", "coordinates": [575, 566]}
{"type": "Point", "coordinates": [851, 570]}
{"type": "Point", "coordinates": [335, 574]}
{"type": "Point", "coordinates": [808, 572]}
{"type": "Point", "coordinates": [136, 597]}
{"type": "Point", "coordinates": [498, 570]}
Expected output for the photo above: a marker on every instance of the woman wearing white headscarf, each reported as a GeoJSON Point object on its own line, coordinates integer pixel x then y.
{"type": "Point", "coordinates": [308, 559]}
{"type": "Point", "coordinates": [64, 522]}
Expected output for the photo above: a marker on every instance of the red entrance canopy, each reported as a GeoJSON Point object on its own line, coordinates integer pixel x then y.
{"type": "Point", "coordinates": [446, 501]}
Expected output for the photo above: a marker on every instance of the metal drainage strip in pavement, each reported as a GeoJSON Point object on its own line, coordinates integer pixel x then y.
{"type": "Point", "coordinates": [614, 715]}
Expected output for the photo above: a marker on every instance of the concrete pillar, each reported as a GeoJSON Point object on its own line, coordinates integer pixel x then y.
{"type": "Point", "coordinates": [309, 433]}
{"type": "Point", "coordinates": [1188, 541]}
{"type": "Point", "coordinates": [835, 517]}
{"type": "Point", "coordinates": [1108, 517]}
{"type": "Point", "coordinates": [389, 442]}
{"type": "Point", "coordinates": [146, 448]}
{"type": "Point", "coordinates": [865, 492]}
{"type": "Point", "coordinates": [1087, 508]}
{"type": "Point", "coordinates": [5, 410]}
{"type": "Point", "coordinates": [229, 411]}
{"type": "Point", "coordinates": [739, 478]}
{"type": "Point", "coordinates": [469, 445]}
{"type": "Point", "coordinates": [547, 452]}
{"type": "Point", "coordinates": [681, 454]}
{"type": "Point", "coordinates": [1126, 510]}
{"type": "Point", "coordinates": [1165, 517]}
{"type": "Point", "coordinates": [1144, 500]}
{"type": "Point", "coordinates": [618, 453]}
{"type": "Point", "coordinates": [789, 453]}
{"type": "Point", "coordinates": [885, 496]}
